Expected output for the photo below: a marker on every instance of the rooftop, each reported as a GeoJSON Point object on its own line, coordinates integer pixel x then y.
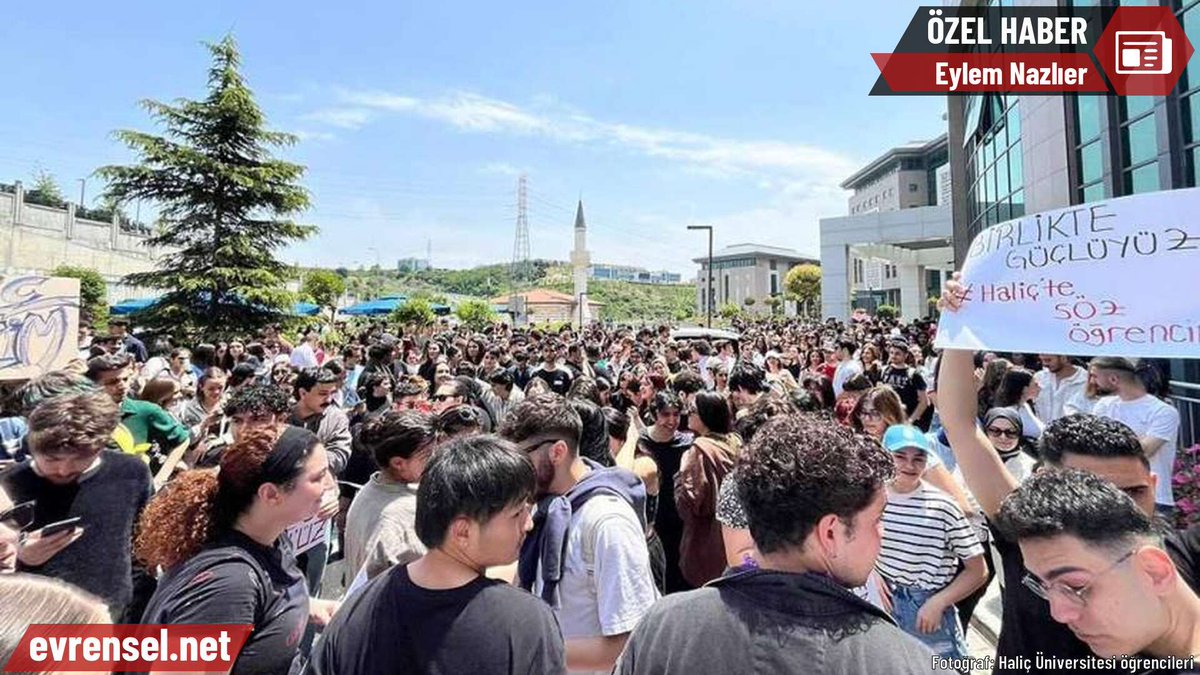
{"type": "Point", "coordinates": [758, 250]}
{"type": "Point", "coordinates": [908, 150]}
{"type": "Point", "coordinates": [542, 296]}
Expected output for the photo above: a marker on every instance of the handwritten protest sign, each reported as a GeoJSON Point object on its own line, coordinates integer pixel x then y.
{"type": "Point", "coordinates": [1117, 277]}
{"type": "Point", "coordinates": [307, 534]}
{"type": "Point", "coordinates": [40, 326]}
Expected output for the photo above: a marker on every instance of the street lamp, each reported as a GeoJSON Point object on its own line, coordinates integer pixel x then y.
{"type": "Point", "coordinates": [709, 299]}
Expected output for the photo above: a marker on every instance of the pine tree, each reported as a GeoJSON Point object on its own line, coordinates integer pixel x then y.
{"type": "Point", "coordinates": [224, 202]}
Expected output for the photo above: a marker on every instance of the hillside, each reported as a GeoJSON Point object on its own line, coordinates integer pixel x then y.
{"type": "Point", "coordinates": [623, 301]}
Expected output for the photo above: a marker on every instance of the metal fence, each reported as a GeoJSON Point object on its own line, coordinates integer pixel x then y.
{"type": "Point", "coordinates": [1187, 400]}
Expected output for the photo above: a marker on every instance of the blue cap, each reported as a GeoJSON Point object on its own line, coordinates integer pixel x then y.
{"type": "Point", "coordinates": [899, 437]}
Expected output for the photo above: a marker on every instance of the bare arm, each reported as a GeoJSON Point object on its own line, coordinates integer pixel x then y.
{"type": "Point", "coordinates": [982, 467]}
{"type": "Point", "coordinates": [922, 406]}
{"type": "Point", "coordinates": [1151, 445]}
{"type": "Point", "coordinates": [739, 545]}
{"type": "Point", "coordinates": [595, 653]}
{"type": "Point", "coordinates": [940, 478]}
{"type": "Point", "coordinates": [973, 575]}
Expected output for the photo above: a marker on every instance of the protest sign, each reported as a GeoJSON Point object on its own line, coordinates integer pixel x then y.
{"type": "Point", "coordinates": [307, 534]}
{"type": "Point", "coordinates": [1115, 277]}
{"type": "Point", "coordinates": [40, 325]}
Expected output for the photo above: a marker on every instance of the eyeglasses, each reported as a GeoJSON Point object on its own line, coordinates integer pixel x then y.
{"type": "Point", "coordinates": [530, 449]}
{"type": "Point", "coordinates": [18, 517]}
{"type": "Point", "coordinates": [1004, 433]}
{"type": "Point", "coordinates": [867, 413]}
{"type": "Point", "coordinates": [1075, 595]}
{"type": "Point", "coordinates": [443, 397]}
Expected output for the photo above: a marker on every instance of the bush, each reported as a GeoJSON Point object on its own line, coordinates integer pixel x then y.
{"type": "Point", "coordinates": [729, 311]}
{"type": "Point", "coordinates": [414, 312]}
{"type": "Point", "coordinates": [93, 293]}
{"type": "Point", "coordinates": [475, 314]}
{"type": "Point", "coordinates": [886, 312]}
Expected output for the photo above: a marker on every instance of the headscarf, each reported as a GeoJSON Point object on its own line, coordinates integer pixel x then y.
{"type": "Point", "coordinates": [1014, 418]}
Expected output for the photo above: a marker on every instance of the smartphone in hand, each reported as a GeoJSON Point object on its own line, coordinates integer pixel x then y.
{"type": "Point", "coordinates": [58, 527]}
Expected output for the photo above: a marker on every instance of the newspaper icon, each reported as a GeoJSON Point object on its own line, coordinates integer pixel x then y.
{"type": "Point", "coordinates": [1143, 53]}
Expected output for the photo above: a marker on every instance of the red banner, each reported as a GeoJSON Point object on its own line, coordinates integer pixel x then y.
{"type": "Point", "coordinates": [107, 648]}
{"type": "Point", "coordinates": [995, 72]}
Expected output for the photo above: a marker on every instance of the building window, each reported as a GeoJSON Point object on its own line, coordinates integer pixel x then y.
{"type": "Point", "coordinates": [913, 187]}
{"type": "Point", "coordinates": [992, 147]}
{"type": "Point", "coordinates": [1139, 144]}
{"type": "Point", "coordinates": [726, 288]}
{"type": "Point", "coordinates": [774, 285]}
{"type": "Point", "coordinates": [773, 263]}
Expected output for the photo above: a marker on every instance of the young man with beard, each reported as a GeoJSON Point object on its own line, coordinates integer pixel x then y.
{"type": "Point", "coordinates": [558, 377]}
{"type": "Point", "coordinates": [814, 494]}
{"type": "Point", "coordinates": [908, 383]}
{"type": "Point", "coordinates": [440, 613]}
{"type": "Point", "coordinates": [587, 555]}
{"type": "Point", "coordinates": [71, 475]}
{"type": "Point", "coordinates": [1059, 381]}
{"type": "Point", "coordinates": [143, 424]}
{"type": "Point", "coordinates": [1155, 423]}
{"type": "Point", "coordinates": [1099, 563]}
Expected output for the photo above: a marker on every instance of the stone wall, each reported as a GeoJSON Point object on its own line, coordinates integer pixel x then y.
{"type": "Point", "coordinates": [35, 239]}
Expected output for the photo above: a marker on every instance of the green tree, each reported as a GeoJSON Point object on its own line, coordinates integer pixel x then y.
{"type": "Point", "coordinates": [803, 284]}
{"type": "Point", "coordinates": [325, 288]}
{"type": "Point", "coordinates": [414, 312]}
{"type": "Point", "coordinates": [225, 203]}
{"type": "Point", "coordinates": [772, 303]}
{"type": "Point", "coordinates": [93, 293]}
{"type": "Point", "coordinates": [45, 191]}
{"type": "Point", "coordinates": [749, 302]}
{"type": "Point", "coordinates": [729, 311]}
{"type": "Point", "coordinates": [886, 312]}
{"type": "Point", "coordinates": [475, 314]}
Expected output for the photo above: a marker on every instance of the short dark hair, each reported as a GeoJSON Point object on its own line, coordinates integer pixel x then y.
{"type": "Point", "coordinates": [242, 372]}
{"type": "Point", "coordinates": [500, 376]}
{"type": "Point", "coordinates": [593, 437]}
{"type": "Point", "coordinates": [766, 408]}
{"type": "Point", "coordinates": [474, 477]}
{"type": "Point", "coordinates": [107, 363]}
{"type": "Point", "coordinates": [43, 387]}
{"type": "Point", "coordinates": [412, 385]}
{"type": "Point", "coordinates": [1071, 502]}
{"type": "Point", "coordinates": [847, 344]}
{"type": "Point", "coordinates": [748, 376]}
{"type": "Point", "coordinates": [73, 424]}
{"type": "Point", "coordinates": [617, 422]}
{"type": "Point", "coordinates": [801, 468]}
{"type": "Point", "coordinates": [459, 419]}
{"type": "Point", "coordinates": [308, 378]}
{"type": "Point", "coordinates": [665, 400]}
{"type": "Point", "coordinates": [257, 399]}
{"type": "Point", "coordinates": [1089, 436]}
{"type": "Point", "coordinates": [687, 382]}
{"type": "Point", "coordinates": [543, 415]}
{"type": "Point", "coordinates": [713, 411]}
{"type": "Point", "coordinates": [396, 434]}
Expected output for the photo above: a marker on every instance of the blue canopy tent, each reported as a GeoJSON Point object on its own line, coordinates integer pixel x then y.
{"type": "Point", "coordinates": [377, 307]}
{"type": "Point", "coordinates": [126, 307]}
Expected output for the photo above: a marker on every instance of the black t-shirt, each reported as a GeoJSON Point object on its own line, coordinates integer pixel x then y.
{"type": "Point", "coordinates": [108, 501]}
{"type": "Point", "coordinates": [667, 523]}
{"type": "Point", "coordinates": [395, 626]}
{"type": "Point", "coordinates": [559, 379]}
{"type": "Point", "coordinates": [1027, 626]}
{"type": "Point", "coordinates": [237, 580]}
{"type": "Point", "coordinates": [907, 382]}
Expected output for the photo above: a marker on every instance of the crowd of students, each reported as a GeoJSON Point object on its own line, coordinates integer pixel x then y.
{"type": "Point", "coordinates": [814, 497]}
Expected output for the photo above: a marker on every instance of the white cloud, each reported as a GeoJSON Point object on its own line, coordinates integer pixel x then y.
{"type": "Point", "coordinates": [470, 112]}
{"type": "Point", "coordinates": [501, 169]}
{"type": "Point", "coordinates": [344, 118]}
{"type": "Point", "coordinates": [304, 135]}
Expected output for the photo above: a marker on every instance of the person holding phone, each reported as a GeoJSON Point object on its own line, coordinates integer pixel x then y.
{"type": "Point", "coordinates": [87, 499]}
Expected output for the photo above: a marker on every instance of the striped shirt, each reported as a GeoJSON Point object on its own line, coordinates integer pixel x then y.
{"type": "Point", "coordinates": [924, 536]}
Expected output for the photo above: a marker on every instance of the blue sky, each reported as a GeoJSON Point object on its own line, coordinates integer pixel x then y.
{"type": "Point", "coordinates": [417, 117]}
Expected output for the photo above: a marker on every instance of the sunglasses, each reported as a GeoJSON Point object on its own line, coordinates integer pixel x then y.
{"type": "Point", "coordinates": [443, 397]}
{"type": "Point", "coordinates": [1003, 433]}
{"type": "Point", "coordinates": [18, 517]}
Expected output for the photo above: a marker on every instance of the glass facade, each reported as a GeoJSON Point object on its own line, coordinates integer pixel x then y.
{"type": "Point", "coordinates": [1189, 98]}
{"type": "Point", "coordinates": [995, 171]}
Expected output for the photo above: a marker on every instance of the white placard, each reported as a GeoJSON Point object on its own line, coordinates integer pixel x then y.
{"type": "Point", "coordinates": [307, 534]}
{"type": "Point", "coordinates": [1117, 277]}
{"type": "Point", "coordinates": [40, 331]}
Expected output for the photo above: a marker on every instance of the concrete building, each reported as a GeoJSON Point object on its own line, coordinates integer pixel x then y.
{"type": "Point", "coordinates": [630, 273]}
{"type": "Point", "coordinates": [894, 246]}
{"type": "Point", "coordinates": [412, 265]}
{"type": "Point", "coordinates": [35, 239]}
{"type": "Point", "coordinates": [746, 271]}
